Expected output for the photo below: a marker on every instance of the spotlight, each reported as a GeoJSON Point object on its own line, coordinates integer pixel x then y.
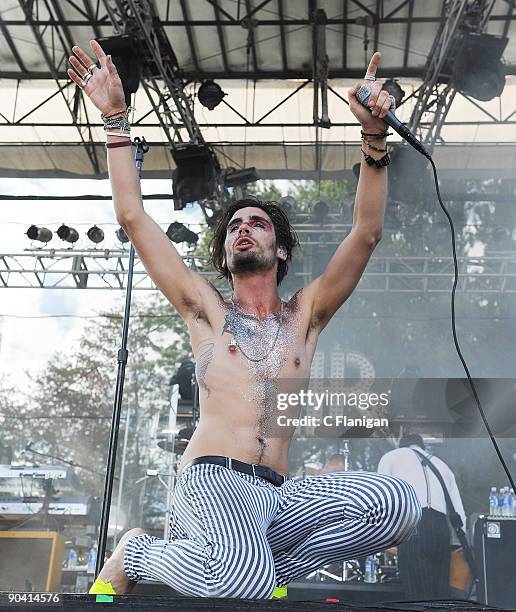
{"type": "Point", "coordinates": [478, 70]}
{"type": "Point", "coordinates": [177, 232]}
{"type": "Point", "coordinates": [127, 60]}
{"type": "Point", "coordinates": [288, 206]}
{"type": "Point", "coordinates": [195, 173]}
{"type": "Point", "coordinates": [42, 234]}
{"type": "Point", "coordinates": [243, 176]}
{"type": "Point", "coordinates": [95, 234]}
{"type": "Point", "coordinates": [210, 94]}
{"type": "Point", "coordinates": [393, 88]}
{"type": "Point", "coordinates": [320, 210]}
{"type": "Point", "coordinates": [121, 235]}
{"type": "Point", "coordinates": [68, 234]}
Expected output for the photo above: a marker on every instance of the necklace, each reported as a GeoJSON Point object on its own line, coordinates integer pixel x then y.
{"type": "Point", "coordinates": [233, 344]}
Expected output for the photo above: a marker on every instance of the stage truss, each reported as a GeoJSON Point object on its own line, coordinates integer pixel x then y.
{"type": "Point", "coordinates": [107, 269]}
{"type": "Point", "coordinates": [252, 45]}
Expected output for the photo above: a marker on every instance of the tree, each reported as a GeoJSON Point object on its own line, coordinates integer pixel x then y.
{"type": "Point", "coordinates": [67, 412]}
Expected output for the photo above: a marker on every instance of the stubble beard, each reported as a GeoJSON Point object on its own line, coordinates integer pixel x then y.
{"type": "Point", "coordinates": [250, 261]}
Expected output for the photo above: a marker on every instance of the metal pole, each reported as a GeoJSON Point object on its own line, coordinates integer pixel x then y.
{"type": "Point", "coordinates": [172, 422]}
{"type": "Point", "coordinates": [141, 149]}
{"type": "Point", "coordinates": [122, 473]}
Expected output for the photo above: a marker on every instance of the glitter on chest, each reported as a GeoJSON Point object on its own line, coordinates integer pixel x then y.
{"type": "Point", "coordinates": [266, 343]}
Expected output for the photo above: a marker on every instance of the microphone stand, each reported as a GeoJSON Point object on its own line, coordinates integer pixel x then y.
{"type": "Point", "coordinates": [141, 149]}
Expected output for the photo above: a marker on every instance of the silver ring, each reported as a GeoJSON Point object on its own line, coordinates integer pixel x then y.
{"type": "Point", "coordinates": [87, 77]}
{"type": "Point", "coordinates": [369, 77]}
{"type": "Point", "coordinates": [393, 101]}
{"type": "Point", "coordinates": [90, 68]}
{"type": "Point", "coordinates": [82, 84]}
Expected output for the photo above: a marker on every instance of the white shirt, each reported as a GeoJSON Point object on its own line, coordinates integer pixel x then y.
{"type": "Point", "coordinates": [405, 464]}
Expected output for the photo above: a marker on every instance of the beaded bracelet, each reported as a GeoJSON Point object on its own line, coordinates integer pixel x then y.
{"type": "Point", "coordinates": [118, 121]}
{"type": "Point", "coordinates": [371, 146]}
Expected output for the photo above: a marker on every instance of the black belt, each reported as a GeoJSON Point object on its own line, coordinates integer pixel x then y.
{"type": "Point", "coordinates": [239, 466]}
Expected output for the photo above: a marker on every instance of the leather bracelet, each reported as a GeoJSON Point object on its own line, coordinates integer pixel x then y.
{"type": "Point", "coordinates": [113, 114]}
{"type": "Point", "coordinates": [378, 135]}
{"type": "Point", "coordinates": [378, 163]}
{"type": "Point", "coordinates": [122, 143]}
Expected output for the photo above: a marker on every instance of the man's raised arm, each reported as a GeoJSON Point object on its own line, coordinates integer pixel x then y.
{"type": "Point", "coordinates": [329, 291]}
{"type": "Point", "coordinates": [182, 287]}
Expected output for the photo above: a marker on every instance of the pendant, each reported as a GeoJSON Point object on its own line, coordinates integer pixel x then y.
{"type": "Point", "coordinates": [232, 345]}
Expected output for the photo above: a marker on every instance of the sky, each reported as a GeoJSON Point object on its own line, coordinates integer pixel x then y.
{"type": "Point", "coordinates": [31, 327]}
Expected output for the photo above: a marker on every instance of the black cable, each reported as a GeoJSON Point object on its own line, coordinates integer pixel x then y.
{"type": "Point", "coordinates": [454, 331]}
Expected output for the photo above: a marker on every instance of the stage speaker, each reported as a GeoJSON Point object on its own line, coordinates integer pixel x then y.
{"type": "Point", "coordinates": [495, 554]}
{"type": "Point", "coordinates": [31, 560]}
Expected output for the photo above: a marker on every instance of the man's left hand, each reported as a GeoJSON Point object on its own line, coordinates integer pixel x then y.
{"type": "Point", "coordinates": [379, 102]}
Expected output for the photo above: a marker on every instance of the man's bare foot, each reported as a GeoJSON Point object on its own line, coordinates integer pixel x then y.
{"type": "Point", "coordinates": [113, 570]}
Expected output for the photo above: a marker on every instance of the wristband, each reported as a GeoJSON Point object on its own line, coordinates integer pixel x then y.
{"type": "Point", "coordinates": [103, 117]}
{"type": "Point", "coordinates": [122, 143]}
{"type": "Point", "coordinates": [377, 135]}
{"type": "Point", "coordinates": [378, 163]}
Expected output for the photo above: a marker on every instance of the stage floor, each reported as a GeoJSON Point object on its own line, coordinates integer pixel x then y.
{"type": "Point", "coordinates": [192, 604]}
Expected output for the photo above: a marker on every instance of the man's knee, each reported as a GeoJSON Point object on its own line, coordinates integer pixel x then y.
{"type": "Point", "coordinates": [243, 586]}
{"type": "Point", "coordinates": [408, 509]}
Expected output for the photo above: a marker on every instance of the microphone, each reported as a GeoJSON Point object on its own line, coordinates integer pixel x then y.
{"type": "Point", "coordinates": [390, 118]}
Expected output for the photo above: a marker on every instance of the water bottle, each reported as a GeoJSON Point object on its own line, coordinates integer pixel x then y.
{"type": "Point", "coordinates": [510, 503]}
{"type": "Point", "coordinates": [507, 509]}
{"type": "Point", "coordinates": [92, 560]}
{"type": "Point", "coordinates": [493, 502]}
{"type": "Point", "coordinates": [72, 558]}
{"type": "Point", "coordinates": [501, 500]}
{"type": "Point", "coordinates": [370, 569]}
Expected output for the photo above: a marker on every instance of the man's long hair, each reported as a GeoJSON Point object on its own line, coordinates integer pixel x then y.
{"type": "Point", "coordinates": [286, 237]}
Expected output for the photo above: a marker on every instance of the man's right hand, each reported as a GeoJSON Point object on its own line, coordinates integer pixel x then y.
{"type": "Point", "coordinates": [104, 88]}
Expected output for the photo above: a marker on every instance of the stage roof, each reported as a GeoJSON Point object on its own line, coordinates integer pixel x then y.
{"type": "Point", "coordinates": [260, 52]}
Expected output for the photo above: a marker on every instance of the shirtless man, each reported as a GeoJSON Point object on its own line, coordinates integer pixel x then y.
{"type": "Point", "coordinates": [239, 526]}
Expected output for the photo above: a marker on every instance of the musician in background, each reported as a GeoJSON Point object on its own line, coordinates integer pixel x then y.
{"type": "Point", "coordinates": [424, 560]}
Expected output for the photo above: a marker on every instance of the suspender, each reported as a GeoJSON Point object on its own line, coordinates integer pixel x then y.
{"type": "Point", "coordinates": [454, 516]}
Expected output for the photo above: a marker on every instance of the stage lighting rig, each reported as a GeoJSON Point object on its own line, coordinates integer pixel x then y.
{"type": "Point", "coordinates": [288, 206]}
{"type": "Point", "coordinates": [121, 235]}
{"type": "Point", "coordinates": [41, 234]}
{"type": "Point", "coordinates": [320, 210]}
{"type": "Point", "coordinates": [95, 234]}
{"type": "Point", "coordinates": [68, 234]}
{"type": "Point", "coordinates": [195, 175]}
{"type": "Point", "coordinates": [478, 70]}
{"type": "Point", "coordinates": [177, 232]}
{"type": "Point", "coordinates": [127, 59]}
{"type": "Point", "coordinates": [240, 177]}
{"type": "Point", "coordinates": [210, 94]}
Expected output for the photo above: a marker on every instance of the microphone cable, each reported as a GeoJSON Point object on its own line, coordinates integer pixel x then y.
{"type": "Point", "coordinates": [454, 330]}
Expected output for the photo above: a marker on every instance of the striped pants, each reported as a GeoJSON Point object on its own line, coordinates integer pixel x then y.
{"type": "Point", "coordinates": [236, 535]}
